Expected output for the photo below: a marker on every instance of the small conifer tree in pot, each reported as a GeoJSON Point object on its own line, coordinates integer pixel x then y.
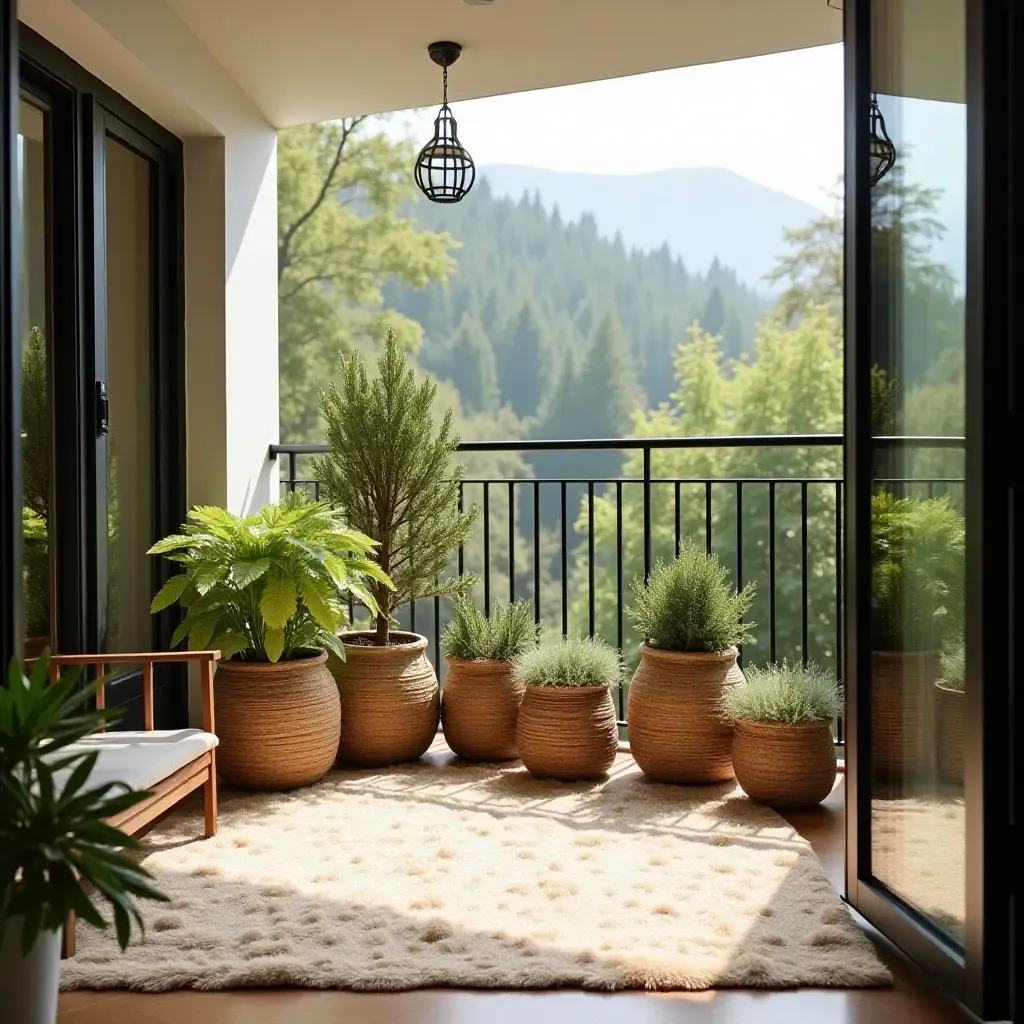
{"type": "Point", "coordinates": [783, 751]}
{"type": "Point", "coordinates": [691, 621]}
{"type": "Point", "coordinates": [390, 472]}
{"type": "Point", "coordinates": [481, 697]}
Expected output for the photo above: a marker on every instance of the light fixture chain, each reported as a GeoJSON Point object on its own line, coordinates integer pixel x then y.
{"type": "Point", "coordinates": [446, 85]}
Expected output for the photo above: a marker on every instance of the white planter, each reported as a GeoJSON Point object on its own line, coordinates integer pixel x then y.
{"type": "Point", "coordinates": [28, 984]}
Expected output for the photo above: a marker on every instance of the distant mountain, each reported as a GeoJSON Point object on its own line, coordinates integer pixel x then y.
{"type": "Point", "coordinates": [701, 213]}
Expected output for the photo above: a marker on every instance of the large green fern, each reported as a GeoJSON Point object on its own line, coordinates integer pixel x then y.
{"type": "Point", "coordinates": [268, 586]}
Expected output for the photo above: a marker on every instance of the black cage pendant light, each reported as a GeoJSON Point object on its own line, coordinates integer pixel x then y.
{"type": "Point", "coordinates": [445, 171]}
{"type": "Point", "coordinates": [881, 151]}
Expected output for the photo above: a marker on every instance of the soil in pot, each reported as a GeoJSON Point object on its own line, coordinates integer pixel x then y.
{"type": "Point", "coordinates": [390, 702]}
{"type": "Point", "coordinates": [949, 712]}
{"type": "Point", "coordinates": [784, 765]}
{"type": "Point", "coordinates": [902, 709]}
{"type": "Point", "coordinates": [278, 724]}
{"type": "Point", "coordinates": [567, 732]}
{"type": "Point", "coordinates": [479, 709]}
{"type": "Point", "coordinates": [676, 732]}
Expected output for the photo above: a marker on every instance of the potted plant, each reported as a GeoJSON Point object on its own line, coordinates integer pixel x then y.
{"type": "Point", "coordinates": [57, 854]}
{"type": "Point", "coordinates": [917, 605]}
{"type": "Point", "coordinates": [691, 621]}
{"type": "Point", "coordinates": [567, 728]}
{"type": "Point", "coordinates": [949, 693]}
{"type": "Point", "coordinates": [266, 591]}
{"type": "Point", "coordinates": [389, 470]}
{"type": "Point", "coordinates": [782, 749]}
{"type": "Point", "coordinates": [480, 700]}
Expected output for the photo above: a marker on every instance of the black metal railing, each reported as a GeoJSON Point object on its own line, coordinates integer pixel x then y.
{"type": "Point", "coordinates": [781, 531]}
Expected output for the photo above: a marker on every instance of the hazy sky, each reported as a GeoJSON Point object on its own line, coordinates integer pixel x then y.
{"type": "Point", "coordinates": [776, 119]}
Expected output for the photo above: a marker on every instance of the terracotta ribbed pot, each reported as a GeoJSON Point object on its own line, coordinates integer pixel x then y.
{"type": "Point", "coordinates": [676, 731]}
{"type": "Point", "coordinates": [389, 701]}
{"type": "Point", "coordinates": [902, 685]}
{"type": "Point", "coordinates": [949, 713]}
{"type": "Point", "coordinates": [479, 709]}
{"type": "Point", "coordinates": [784, 765]}
{"type": "Point", "coordinates": [567, 732]}
{"type": "Point", "coordinates": [277, 724]}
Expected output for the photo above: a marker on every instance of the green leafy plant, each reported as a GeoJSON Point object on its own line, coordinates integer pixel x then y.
{"type": "Point", "coordinates": [953, 665]}
{"type": "Point", "coordinates": [785, 695]}
{"type": "Point", "coordinates": [571, 661]}
{"type": "Point", "coordinates": [689, 605]}
{"type": "Point", "coordinates": [268, 586]}
{"type": "Point", "coordinates": [57, 854]}
{"type": "Point", "coordinates": [472, 636]}
{"type": "Point", "coordinates": [391, 473]}
{"type": "Point", "coordinates": [917, 587]}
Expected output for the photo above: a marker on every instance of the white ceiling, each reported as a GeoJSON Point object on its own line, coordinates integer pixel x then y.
{"type": "Point", "coordinates": [310, 60]}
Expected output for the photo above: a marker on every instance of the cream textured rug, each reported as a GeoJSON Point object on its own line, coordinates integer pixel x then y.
{"type": "Point", "coordinates": [483, 877]}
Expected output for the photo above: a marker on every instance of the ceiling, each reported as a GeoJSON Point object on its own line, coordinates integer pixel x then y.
{"type": "Point", "coordinates": [311, 60]}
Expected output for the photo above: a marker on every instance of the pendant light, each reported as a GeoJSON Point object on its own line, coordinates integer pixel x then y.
{"type": "Point", "coordinates": [445, 171]}
{"type": "Point", "coordinates": [881, 151]}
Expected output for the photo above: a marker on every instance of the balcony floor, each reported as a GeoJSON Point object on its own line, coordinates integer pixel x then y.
{"type": "Point", "coordinates": [910, 998]}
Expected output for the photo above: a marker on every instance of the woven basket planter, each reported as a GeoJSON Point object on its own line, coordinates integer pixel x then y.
{"type": "Point", "coordinates": [277, 724]}
{"type": "Point", "coordinates": [784, 765]}
{"type": "Point", "coordinates": [389, 701]}
{"type": "Point", "coordinates": [676, 732]}
{"type": "Point", "coordinates": [902, 684]}
{"type": "Point", "coordinates": [949, 712]}
{"type": "Point", "coordinates": [479, 709]}
{"type": "Point", "coordinates": [567, 732]}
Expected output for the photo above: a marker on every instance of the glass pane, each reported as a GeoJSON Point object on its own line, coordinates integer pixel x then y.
{"type": "Point", "coordinates": [129, 335]}
{"type": "Point", "coordinates": [917, 517]}
{"type": "Point", "coordinates": [37, 410]}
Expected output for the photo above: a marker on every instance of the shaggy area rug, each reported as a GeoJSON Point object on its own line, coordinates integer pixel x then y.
{"type": "Point", "coordinates": [484, 877]}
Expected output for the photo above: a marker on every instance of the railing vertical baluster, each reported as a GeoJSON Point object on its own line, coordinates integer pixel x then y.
{"type": "Point", "coordinates": [679, 524]}
{"type": "Point", "coordinates": [647, 511]}
{"type": "Point", "coordinates": [618, 582]}
{"type": "Point", "coordinates": [487, 548]}
{"type": "Point", "coordinates": [292, 472]}
{"type": "Point", "coordinates": [536, 552]}
{"type": "Point", "coordinates": [316, 490]}
{"type": "Point", "coordinates": [739, 550]}
{"type": "Point", "coordinates": [437, 635]}
{"type": "Point", "coordinates": [803, 573]}
{"type": "Point", "coordinates": [511, 542]}
{"type": "Point", "coordinates": [771, 568]}
{"type": "Point", "coordinates": [590, 555]}
{"type": "Point", "coordinates": [840, 725]}
{"type": "Point", "coordinates": [565, 567]}
{"type": "Point", "coordinates": [462, 549]}
{"type": "Point", "coordinates": [707, 516]}
{"type": "Point", "coordinates": [412, 616]}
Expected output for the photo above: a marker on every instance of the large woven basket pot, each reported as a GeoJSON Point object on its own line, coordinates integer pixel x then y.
{"type": "Point", "coordinates": [479, 709]}
{"type": "Point", "coordinates": [389, 700]}
{"type": "Point", "coordinates": [949, 709]}
{"type": "Point", "coordinates": [902, 685]}
{"type": "Point", "coordinates": [277, 724]}
{"type": "Point", "coordinates": [784, 765]}
{"type": "Point", "coordinates": [567, 732]}
{"type": "Point", "coordinates": [676, 732]}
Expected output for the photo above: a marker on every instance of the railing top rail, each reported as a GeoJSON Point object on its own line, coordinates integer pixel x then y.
{"type": "Point", "coordinates": [643, 443]}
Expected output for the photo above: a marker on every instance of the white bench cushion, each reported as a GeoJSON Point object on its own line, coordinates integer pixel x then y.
{"type": "Point", "coordinates": [140, 759]}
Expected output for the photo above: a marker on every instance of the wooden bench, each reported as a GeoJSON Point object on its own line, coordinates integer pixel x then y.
{"type": "Point", "coordinates": [169, 764]}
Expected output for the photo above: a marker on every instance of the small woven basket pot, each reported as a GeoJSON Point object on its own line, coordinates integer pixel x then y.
{"type": "Point", "coordinates": [567, 732]}
{"type": "Point", "coordinates": [389, 701]}
{"type": "Point", "coordinates": [278, 724]}
{"type": "Point", "coordinates": [479, 709]}
{"type": "Point", "coordinates": [676, 731]}
{"type": "Point", "coordinates": [784, 765]}
{"type": "Point", "coordinates": [901, 708]}
{"type": "Point", "coordinates": [949, 710]}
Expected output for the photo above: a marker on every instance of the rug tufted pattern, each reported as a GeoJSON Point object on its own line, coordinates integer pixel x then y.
{"type": "Point", "coordinates": [484, 877]}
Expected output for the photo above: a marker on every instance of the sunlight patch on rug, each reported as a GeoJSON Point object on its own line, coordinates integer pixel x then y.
{"type": "Point", "coordinates": [484, 877]}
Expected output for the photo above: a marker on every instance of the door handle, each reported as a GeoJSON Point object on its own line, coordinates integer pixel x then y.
{"type": "Point", "coordinates": [102, 409]}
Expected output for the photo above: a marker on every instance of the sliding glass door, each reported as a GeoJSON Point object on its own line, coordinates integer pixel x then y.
{"type": "Point", "coordinates": [930, 540]}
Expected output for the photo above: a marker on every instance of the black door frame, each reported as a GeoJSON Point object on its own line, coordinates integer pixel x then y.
{"type": "Point", "coordinates": [981, 974]}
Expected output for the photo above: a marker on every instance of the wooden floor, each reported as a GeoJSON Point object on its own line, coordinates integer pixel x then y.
{"type": "Point", "coordinates": [909, 1001]}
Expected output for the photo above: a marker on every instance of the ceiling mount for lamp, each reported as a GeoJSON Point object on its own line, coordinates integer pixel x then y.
{"type": "Point", "coordinates": [881, 151]}
{"type": "Point", "coordinates": [445, 171]}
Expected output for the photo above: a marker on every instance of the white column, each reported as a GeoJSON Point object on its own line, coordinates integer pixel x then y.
{"type": "Point", "coordinates": [231, 356]}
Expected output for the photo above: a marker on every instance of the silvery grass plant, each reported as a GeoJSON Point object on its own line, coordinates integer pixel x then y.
{"type": "Point", "coordinates": [571, 661]}
{"type": "Point", "coordinates": [502, 636]}
{"type": "Point", "coordinates": [784, 695]}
